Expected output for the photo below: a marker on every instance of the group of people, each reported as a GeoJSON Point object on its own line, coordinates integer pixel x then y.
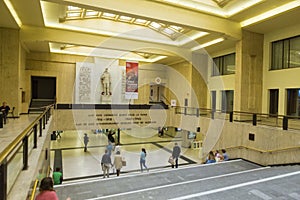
{"type": "Point", "coordinates": [119, 161]}
{"type": "Point", "coordinates": [106, 162]}
{"type": "Point", "coordinates": [218, 156]}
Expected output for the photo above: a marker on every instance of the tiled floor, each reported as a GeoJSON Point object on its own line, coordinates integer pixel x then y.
{"type": "Point", "coordinates": [78, 164]}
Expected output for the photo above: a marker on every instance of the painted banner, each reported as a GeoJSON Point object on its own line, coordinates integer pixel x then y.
{"type": "Point", "coordinates": [131, 89]}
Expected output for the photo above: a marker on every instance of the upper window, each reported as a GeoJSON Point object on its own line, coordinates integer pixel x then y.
{"type": "Point", "coordinates": [224, 65]}
{"type": "Point", "coordinates": [286, 53]}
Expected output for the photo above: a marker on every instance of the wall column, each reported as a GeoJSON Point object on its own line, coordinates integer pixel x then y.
{"type": "Point", "coordinates": [249, 73]}
{"type": "Point", "coordinates": [9, 67]}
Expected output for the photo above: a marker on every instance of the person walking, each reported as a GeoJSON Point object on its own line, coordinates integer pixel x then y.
{"type": "Point", "coordinates": [85, 141]}
{"type": "Point", "coordinates": [175, 154]}
{"type": "Point", "coordinates": [143, 159]}
{"type": "Point", "coordinates": [109, 148]}
{"type": "Point", "coordinates": [118, 162]}
{"type": "Point", "coordinates": [106, 164]}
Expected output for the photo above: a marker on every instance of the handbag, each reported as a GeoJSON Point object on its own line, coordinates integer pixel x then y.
{"type": "Point", "coordinates": [123, 162]}
{"type": "Point", "coordinates": [171, 160]}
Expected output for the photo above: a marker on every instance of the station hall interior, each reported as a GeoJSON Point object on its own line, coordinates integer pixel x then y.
{"type": "Point", "coordinates": [211, 74]}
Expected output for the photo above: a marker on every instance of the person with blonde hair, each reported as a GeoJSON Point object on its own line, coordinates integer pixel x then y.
{"type": "Point", "coordinates": [118, 162]}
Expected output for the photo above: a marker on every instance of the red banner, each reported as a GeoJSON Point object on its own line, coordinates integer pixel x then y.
{"type": "Point", "coordinates": [131, 91]}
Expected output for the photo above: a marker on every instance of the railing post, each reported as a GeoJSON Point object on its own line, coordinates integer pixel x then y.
{"type": "Point", "coordinates": [3, 180]}
{"type": "Point", "coordinates": [285, 123]}
{"type": "Point", "coordinates": [41, 127]}
{"type": "Point", "coordinates": [1, 120]}
{"type": "Point", "coordinates": [231, 116]}
{"type": "Point", "coordinates": [46, 117]}
{"type": "Point", "coordinates": [185, 110]}
{"type": "Point", "coordinates": [35, 136]}
{"type": "Point", "coordinates": [118, 135]}
{"type": "Point", "coordinates": [25, 152]}
{"type": "Point", "coordinates": [44, 122]}
{"type": "Point", "coordinates": [254, 119]}
{"type": "Point", "coordinates": [213, 114]}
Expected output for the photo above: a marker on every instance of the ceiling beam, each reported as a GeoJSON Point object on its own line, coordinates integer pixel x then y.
{"type": "Point", "coordinates": [163, 13]}
{"type": "Point", "coordinates": [42, 34]}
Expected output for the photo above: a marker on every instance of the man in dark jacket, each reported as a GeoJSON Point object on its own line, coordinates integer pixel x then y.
{"type": "Point", "coordinates": [176, 154]}
{"type": "Point", "coordinates": [106, 164]}
{"type": "Point", "coordinates": [4, 109]}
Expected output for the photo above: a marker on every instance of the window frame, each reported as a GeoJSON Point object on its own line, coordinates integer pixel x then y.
{"type": "Point", "coordinates": [218, 65]}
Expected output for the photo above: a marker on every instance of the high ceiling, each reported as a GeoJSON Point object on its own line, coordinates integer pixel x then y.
{"type": "Point", "coordinates": [144, 30]}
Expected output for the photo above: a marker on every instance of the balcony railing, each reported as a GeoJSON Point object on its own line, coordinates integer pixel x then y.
{"type": "Point", "coordinates": [284, 121]}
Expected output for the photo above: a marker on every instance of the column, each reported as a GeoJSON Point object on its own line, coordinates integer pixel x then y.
{"type": "Point", "coordinates": [249, 73]}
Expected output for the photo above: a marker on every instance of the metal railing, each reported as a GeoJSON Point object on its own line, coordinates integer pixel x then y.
{"type": "Point", "coordinates": [265, 151]}
{"type": "Point", "coordinates": [284, 121]}
{"type": "Point", "coordinates": [21, 145]}
{"type": "Point", "coordinates": [32, 196]}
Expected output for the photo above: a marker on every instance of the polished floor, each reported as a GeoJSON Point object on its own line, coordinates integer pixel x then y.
{"type": "Point", "coordinates": [76, 164]}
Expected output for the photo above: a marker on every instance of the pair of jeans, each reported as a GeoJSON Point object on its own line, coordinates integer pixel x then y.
{"type": "Point", "coordinates": [143, 163]}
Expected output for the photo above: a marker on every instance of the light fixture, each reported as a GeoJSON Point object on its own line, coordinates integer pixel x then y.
{"type": "Point", "coordinates": [208, 44]}
{"type": "Point", "coordinates": [271, 13]}
{"type": "Point", "coordinates": [13, 12]}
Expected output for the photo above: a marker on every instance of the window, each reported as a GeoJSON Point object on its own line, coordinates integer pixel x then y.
{"type": "Point", "coordinates": [224, 65]}
{"type": "Point", "coordinates": [293, 102]}
{"type": "Point", "coordinates": [227, 101]}
{"type": "Point", "coordinates": [213, 100]}
{"type": "Point", "coordinates": [285, 53]}
{"type": "Point", "coordinates": [273, 109]}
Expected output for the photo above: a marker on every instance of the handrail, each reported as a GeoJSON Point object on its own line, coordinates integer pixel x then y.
{"type": "Point", "coordinates": [34, 189]}
{"type": "Point", "coordinates": [265, 151]}
{"type": "Point", "coordinates": [241, 112]}
{"type": "Point", "coordinates": [4, 154]}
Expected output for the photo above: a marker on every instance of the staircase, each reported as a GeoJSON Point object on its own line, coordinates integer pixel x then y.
{"type": "Point", "coordinates": [236, 179]}
{"type": "Point", "coordinates": [38, 105]}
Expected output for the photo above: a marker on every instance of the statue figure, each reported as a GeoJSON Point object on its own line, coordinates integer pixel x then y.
{"type": "Point", "coordinates": [106, 82]}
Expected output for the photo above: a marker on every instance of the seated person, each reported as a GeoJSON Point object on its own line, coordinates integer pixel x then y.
{"type": "Point", "coordinates": [57, 176]}
{"type": "Point", "coordinates": [225, 155]}
{"type": "Point", "coordinates": [219, 156]}
{"type": "Point", "coordinates": [4, 109]}
{"type": "Point", "coordinates": [211, 158]}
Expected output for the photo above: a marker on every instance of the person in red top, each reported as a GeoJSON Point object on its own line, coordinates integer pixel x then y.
{"type": "Point", "coordinates": [46, 190]}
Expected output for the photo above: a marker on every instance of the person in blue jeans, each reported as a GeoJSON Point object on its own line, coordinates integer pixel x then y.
{"type": "Point", "coordinates": [210, 158]}
{"type": "Point", "coordinates": [143, 159]}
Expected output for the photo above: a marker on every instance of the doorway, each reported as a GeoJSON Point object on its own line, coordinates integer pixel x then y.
{"type": "Point", "coordinates": [43, 87]}
{"type": "Point", "coordinates": [156, 93]}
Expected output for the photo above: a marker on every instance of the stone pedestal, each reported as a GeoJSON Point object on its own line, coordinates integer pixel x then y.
{"type": "Point", "coordinates": [105, 99]}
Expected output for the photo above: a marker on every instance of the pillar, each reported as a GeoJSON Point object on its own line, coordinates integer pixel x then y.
{"type": "Point", "coordinates": [249, 73]}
